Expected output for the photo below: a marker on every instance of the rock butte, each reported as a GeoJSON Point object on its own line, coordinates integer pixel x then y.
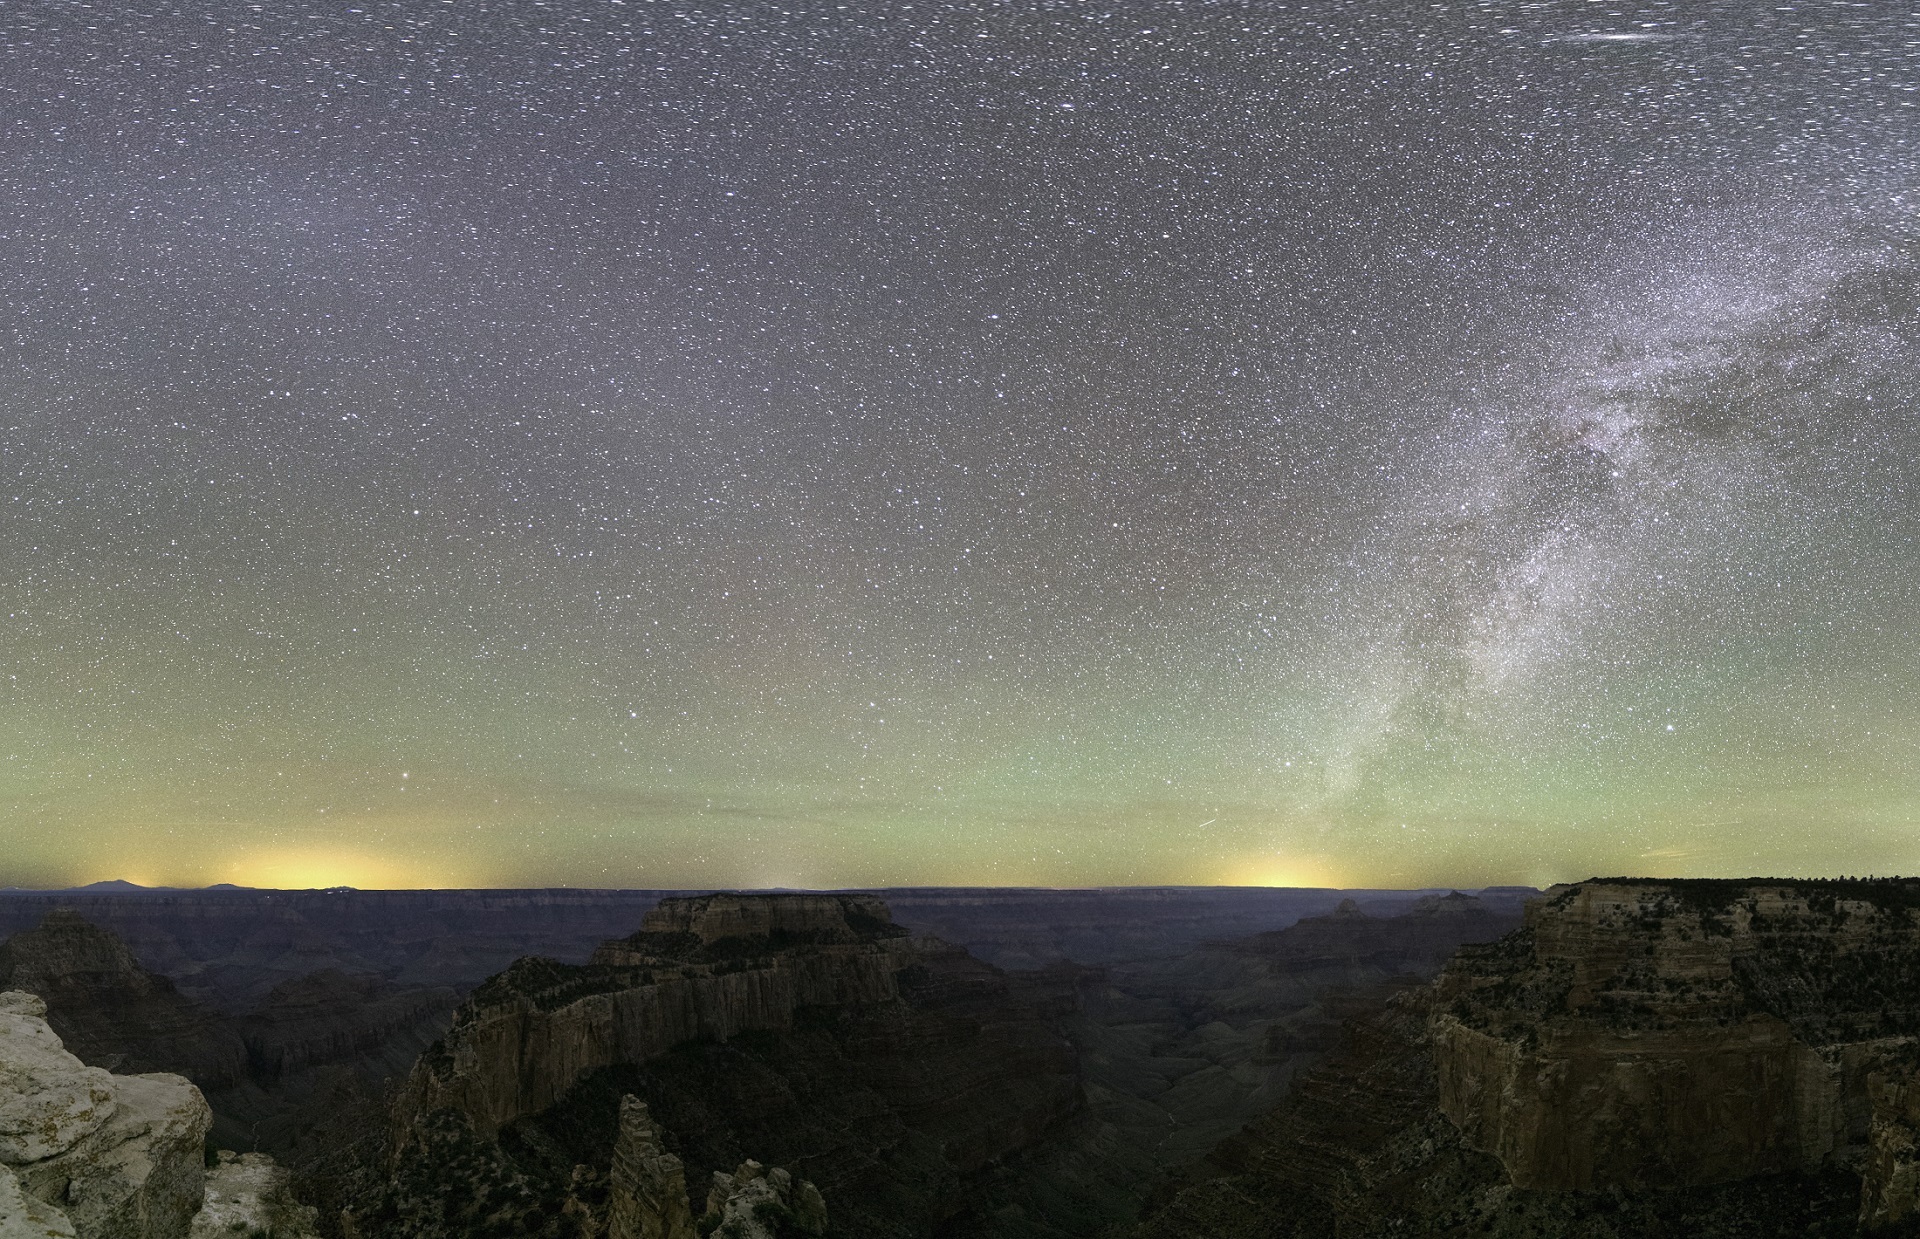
{"type": "Point", "coordinates": [1677, 1034]}
{"type": "Point", "coordinates": [781, 1027]}
{"type": "Point", "coordinates": [708, 967]}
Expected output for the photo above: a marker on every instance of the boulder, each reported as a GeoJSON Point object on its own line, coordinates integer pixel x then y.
{"type": "Point", "coordinates": [120, 1156]}
{"type": "Point", "coordinates": [247, 1194]}
{"type": "Point", "coordinates": [23, 1217]}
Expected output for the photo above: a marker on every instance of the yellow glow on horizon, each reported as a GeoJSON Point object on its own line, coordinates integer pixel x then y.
{"type": "Point", "coordinates": [312, 867]}
{"type": "Point", "coordinates": [1284, 871]}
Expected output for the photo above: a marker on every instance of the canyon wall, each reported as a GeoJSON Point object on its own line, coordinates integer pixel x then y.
{"type": "Point", "coordinates": [1701, 1058]}
{"type": "Point", "coordinates": [527, 1036]}
{"type": "Point", "coordinates": [1675, 1034]}
{"type": "Point", "coordinates": [229, 948]}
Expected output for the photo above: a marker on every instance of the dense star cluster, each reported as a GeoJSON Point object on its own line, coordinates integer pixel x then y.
{"type": "Point", "coordinates": [664, 444]}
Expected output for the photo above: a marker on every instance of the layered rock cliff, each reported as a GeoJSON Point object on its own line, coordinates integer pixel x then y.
{"type": "Point", "coordinates": [709, 968]}
{"type": "Point", "coordinates": [1677, 1034]}
{"type": "Point", "coordinates": [803, 1031]}
{"type": "Point", "coordinates": [1643, 1058]}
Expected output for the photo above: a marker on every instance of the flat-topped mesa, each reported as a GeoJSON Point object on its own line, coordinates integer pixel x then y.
{"type": "Point", "coordinates": [1645, 1033]}
{"type": "Point", "coordinates": [707, 967]}
{"type": "Point", "coordinates": [715, 927]}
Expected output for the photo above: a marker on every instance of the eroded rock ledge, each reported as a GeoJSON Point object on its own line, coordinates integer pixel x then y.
{"type": "Point", "coordinates": [110, 1157]}
{"type": "Point", "coordinates": [710, 967]}
{"type": "Point", "coordinates": [1676, 1034]}
{"type": "Point", "coordinates": [86, 1154]}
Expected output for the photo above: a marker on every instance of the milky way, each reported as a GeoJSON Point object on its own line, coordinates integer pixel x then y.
{"type": "Point", "coordinates": [613, 443]}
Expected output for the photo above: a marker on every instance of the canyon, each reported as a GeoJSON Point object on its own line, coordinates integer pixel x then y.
{"type": "Point", "coordinates": [915, 1086]}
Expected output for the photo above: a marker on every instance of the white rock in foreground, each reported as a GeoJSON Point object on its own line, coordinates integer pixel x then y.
{"type": "Point", "coordinates": [247, 1194]}
{"type": "Point", "coordinates": [120, 1156]}
{"type": "Point", "coordinates": [49, 1100]}
{"type": "Point", "coordinates": [23, 1217]}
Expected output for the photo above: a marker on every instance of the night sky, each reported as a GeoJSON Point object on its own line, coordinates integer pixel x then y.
{"type": "Point", "coordinates": [655, 444]}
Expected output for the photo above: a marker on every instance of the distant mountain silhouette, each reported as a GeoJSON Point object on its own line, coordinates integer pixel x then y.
{"type": "Point", "coordinates": [117, 884]}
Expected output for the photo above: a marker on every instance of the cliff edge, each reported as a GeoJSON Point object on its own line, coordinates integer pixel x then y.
{"type": "Point", "coordinates": [1676, 1034]}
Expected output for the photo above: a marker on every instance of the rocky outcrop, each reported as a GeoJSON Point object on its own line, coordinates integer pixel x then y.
{"type": "Point", "coordinates": [1680, 1034]}
{"type": "Point", "coordinates": [801, 1030]}
{"type": "Point", "coordinates": [649, 1193]}
{"type": "Point", "coordinates": [248, 1195]}
{"type": "Point", "coordinates": [115, 1157]}
{"type": "Point", "coordinates": [704, 968]}
{"type": "Point", "coordinates": [649, 1184]}
{"type": "Point", "coordinates": [757, 1203]}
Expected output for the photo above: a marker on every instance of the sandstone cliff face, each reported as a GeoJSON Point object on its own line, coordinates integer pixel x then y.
{"type": "Point", "coordinates": [696, 970]}
{"type": "Point", "coordinates": [1656, 1034]}
{"type": "Point", "coordinates": [111, 1157]}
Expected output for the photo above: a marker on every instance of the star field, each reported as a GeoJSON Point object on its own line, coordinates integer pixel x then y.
{"type": "Point", "coordinates": [643, 444]}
